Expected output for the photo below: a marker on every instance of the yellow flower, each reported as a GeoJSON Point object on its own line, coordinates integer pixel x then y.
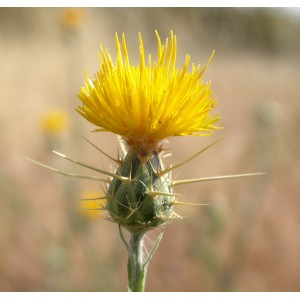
{"type": "Point", "coordinates": [92, 205]}
{"type": "Point", "coordinates": [150, 102]}
{"type": "Point", "coordinates": [72, 17]}
{"type": "Point", "coordinates": [54, 121]}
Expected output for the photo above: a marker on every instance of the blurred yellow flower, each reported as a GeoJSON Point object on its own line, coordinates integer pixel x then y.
{"type": "Point", "coordinates": [151, 101]}
{"type": "Point", "coordinates": [54, 121]}
{"type": "Point", "coordinates": [72, 17]}
{"type": "Point", "coordinates": [91, 206]}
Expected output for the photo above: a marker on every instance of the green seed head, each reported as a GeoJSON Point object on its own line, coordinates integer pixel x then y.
{"type": "Point", "coordinates": [144, 202]}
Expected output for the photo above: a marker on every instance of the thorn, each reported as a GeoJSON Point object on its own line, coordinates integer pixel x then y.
{"type": "Point", "coordinates": [105, 154]}
{"type": "Point", "coordinates": [175, 216]}
{"type": "Point", "coordinates": [122, 145]}
{"type": "Point", "coordinates": [167, 155]}
{"type": "Point", "coordinates": [188, 203]}
{"type": "Point", "coordinates": [100, 208]}
{"type": "Point", "coordinates": [104, 192]}
{"type": "Point", "coordinates": [120, 159]}
{"type": "Point", "coordinates": [188, 159]}
{"type": "Point", "coordinates": [123, 179]}
{"type": "Point", "coordinates": [66, 173]}
{"type": "Point", "coordinates": [152, 168]}
{"type": "Point", "coordinates": [185, 181]}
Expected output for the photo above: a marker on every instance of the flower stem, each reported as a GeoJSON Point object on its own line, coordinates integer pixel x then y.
{"type": "Point", "coordinates": [136, 268]}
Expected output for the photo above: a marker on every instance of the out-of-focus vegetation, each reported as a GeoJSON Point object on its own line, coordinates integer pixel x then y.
{"type": "Point", "coordinates": [247, 239]}
{"type": "Point", "coordinates": [271, 30]}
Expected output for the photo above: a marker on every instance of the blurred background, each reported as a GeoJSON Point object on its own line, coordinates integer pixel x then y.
{"type": "Point", "coordinates": [247, 239]}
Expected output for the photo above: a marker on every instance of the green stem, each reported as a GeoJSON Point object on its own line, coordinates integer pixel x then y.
{"type": "Point", "coordinates": [136, 268]}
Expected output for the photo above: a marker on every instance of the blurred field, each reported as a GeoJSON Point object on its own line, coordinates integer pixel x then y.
{"type": "Point", "coordinates": [246, 240]}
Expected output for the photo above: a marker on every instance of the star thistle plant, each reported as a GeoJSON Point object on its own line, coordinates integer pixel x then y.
{"type": "Point", "coordinates": [144, 105]}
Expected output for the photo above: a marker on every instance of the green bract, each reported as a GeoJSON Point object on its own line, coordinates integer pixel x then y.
{"type": "Point", "coordinates": [145, 201]}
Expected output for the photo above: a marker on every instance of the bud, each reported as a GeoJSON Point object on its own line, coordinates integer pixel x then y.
{"type": "Point", "coordinates": [145, 201]}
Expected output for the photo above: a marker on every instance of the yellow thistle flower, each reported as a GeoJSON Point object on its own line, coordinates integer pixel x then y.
{"type": "Point", "coordinates": [91, 205]}
{"type": "Point", "coordinates": [54, 122]}
{"type": "Point", "coordinates": [150, 102]}
{"type": "Point", "coordinates": [72, 17]}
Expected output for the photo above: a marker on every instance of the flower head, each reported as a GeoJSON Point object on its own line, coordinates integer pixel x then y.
{"type": "Point", "coordinates": [72, 17]}
{"type": "Point", "coordinates": [91, 206]}
{"type": "Point", "coordinates": [54, 121]}
{"type": "Point", "coordinates": [150, 102]}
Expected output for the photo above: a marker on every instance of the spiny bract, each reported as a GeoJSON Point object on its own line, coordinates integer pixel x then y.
{"type": "Point", "coordinates": [144, 202]}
